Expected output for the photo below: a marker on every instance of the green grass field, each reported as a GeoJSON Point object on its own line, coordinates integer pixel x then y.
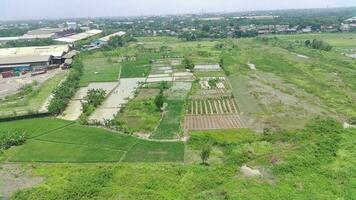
{"type": "Point", "coordinates": [170, 126]}
{"type": "Point", "coordinates": [139, 116]}
{"type": "Point", "coordinates": [32, 102]}
{"type": "Point", "coordinates": [298, 155]}
{"type": "Point", "coordinates": [135, 69]}
{"type": "Point", "coordinates": [296, 165]}
{"type": "Point", "coordinates": [62, 141]}
{"type": "Point", "coordinates": [99, 69]}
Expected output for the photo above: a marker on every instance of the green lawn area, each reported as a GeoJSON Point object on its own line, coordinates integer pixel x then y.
{"type": "Point", "coordinates": [146, 151]}
{"type": "Point", "coordinates": [170, 126]}
{"type": "Point", "coordinates": [135, 69]}
{"type": "Point", "coordinates": [34, 127]}
{"type": "Point", "coordinates": [42, 151]}
{"type": "Point", "coordinates": [33, 101]}
{"type": "Point", "coordinates": [95, 137]}
{"type": "Point", "coordinates": [61, 141]}
{"type": "Point", "coordinates": [139, 116]}
{"type": "Point", "coordinates": [99, 69]}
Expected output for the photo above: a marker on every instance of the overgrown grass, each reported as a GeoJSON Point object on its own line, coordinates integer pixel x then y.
{"type": "Point", "coordinates": [170, 126]}
{"type": "Point", "coordinates": [138, 116]}
{"type": "Point", "coordinates": [313, 163]}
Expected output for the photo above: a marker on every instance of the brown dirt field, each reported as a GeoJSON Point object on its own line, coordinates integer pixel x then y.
{"type": "Point", "coordinates": [211, 122]}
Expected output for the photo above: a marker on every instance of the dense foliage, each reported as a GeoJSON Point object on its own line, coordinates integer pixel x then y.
{"type": "Point", "coordinates": [119, 41]}
{"type": "Point", "coordinates": [11, 138]}
{"type": "Point", "coordinates": [93, 99]}
{"type": "Point", "coordinates": [65, 91]}
{"type": "Point", "coordinates": [318, 44]}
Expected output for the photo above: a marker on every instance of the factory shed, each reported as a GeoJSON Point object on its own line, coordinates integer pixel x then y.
{"type": "Point", "coordinates": [25, 62]}
{"type": "Point", "coordinates": [104, 40]}
{"type": "Point", "coordinates": [32, 58]}
{"type": "Point", "coordinates": [79, 36]}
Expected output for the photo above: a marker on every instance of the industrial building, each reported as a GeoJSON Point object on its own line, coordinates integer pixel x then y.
{"type": "Point", "coordinates": [79, 36]}
{"type": "Point", "coordinates": [34, 58]}
{"type": "Point", "coordinates": [104, 40]}
{"type": "Point", "coordinates": [42, 33]}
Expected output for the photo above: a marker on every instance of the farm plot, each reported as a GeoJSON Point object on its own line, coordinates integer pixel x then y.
{"type": "Point", "coordinates": [179, 90]}
{"type": "Point", "coordinates": [170, 126]}
{"type": "Point", "coordinates": [116, 99]}
{"type": "Point", "coordinates": [211, 122]}
{"type": "Point", "coordinates": [74, 108]}
{"type": "Point", "coordinates": [135, 69]}
{"type": "Point", "coordinates": [104, 69]}
{"type": "Point", "coordinates": [212, 106]}
{"type": "Point", "coordinates": [207, 67]}
{"type": "Point", "coordinates": [66, 142]}
{"type": "Point", "coordinates": [160, 72]}
{"type": "Point", "coordinates": [183, 76]}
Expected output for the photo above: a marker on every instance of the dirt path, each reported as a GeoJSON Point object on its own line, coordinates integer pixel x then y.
{"type": "Point", "coordinates": [13, 177]}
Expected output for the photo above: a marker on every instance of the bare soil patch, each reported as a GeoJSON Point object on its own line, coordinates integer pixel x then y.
{"type": "Point", "coordinates": [13, 178]}
{"type": "Point", "coordinates": [212, 122]}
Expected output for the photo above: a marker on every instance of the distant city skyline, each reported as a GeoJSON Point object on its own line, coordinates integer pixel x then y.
{"type": "Point", "coordinates": [44, 9]}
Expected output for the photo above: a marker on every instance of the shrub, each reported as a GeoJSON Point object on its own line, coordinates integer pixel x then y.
{"type": "Point", "coordinates": [9, 139]}
{"type": "Point", "coordinates": [205, 153]}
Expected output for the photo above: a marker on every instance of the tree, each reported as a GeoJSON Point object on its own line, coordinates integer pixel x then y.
{"type": "Point", "coordinates": [188, 63]}
{"type": "Point", "coordinates": [116, 41]}
{"type": "Point", "coordinates": [205, 154]}
{"type": "Point", "coordinates": [95, 97]}
{"type": "Point", "coordinates": [159, 100]}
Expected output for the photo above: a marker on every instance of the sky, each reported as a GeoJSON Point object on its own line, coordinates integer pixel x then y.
{"type": "Point", "coordinates": [52, 9]}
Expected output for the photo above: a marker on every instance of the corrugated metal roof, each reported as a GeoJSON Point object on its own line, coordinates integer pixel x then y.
{"type": "Point", "coordinates": [107, 38]}
{"type": "Point", "coordinates": [79, 36]}
{"type": "Point", "coordinates": [26, 59]}
{"type": "Point", "coordinates": [70, 54]}
{"type": "Point", "coordinates": [54, 50]}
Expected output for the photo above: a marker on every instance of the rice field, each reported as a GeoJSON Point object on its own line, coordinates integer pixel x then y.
{"type": "Point", "coordinates": [62, 141]}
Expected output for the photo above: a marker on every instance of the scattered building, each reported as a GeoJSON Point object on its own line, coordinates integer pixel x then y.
{"type": "Point", "coordinates": [351, 20]}
{"type": "Point", "coordinates": [42, 33]}
{"type": "Point", "coordinates": [79, 36]}
{"type": "Point", "coordinates": [104, 40]}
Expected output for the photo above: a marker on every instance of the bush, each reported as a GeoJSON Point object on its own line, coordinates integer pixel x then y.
{"type": "Point", "coordinates": [10, 139]}
{"type": "Point", "coordinates": [318, 44]}
{"type": "Point", "coordinates": [159, 100]}
{"type": "Point", "coordinates": [188, 63]}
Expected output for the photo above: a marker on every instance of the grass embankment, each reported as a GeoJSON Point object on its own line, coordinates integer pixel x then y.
{"type": "Point", "coordinates": [313, 163]}
{"type": "Point", "coordinates": [62, 141]}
